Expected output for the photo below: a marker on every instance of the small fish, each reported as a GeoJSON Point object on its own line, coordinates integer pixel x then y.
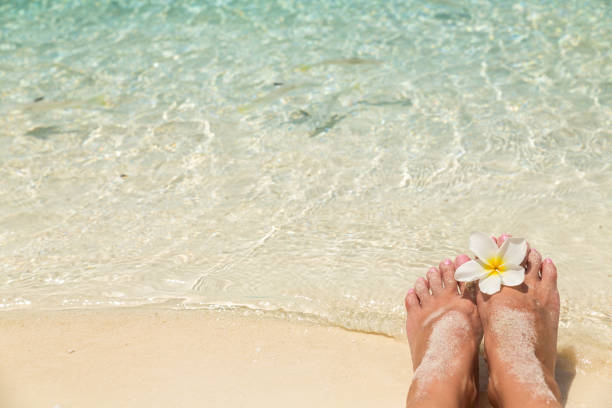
{"type": "Point", "coordinates": [278, 93]}
{"type": "Point", "coordinates": [340, 61]}
{"type": "Point", "coordinates": [299, 116]}
{"type": "Point", "coordinates": [325, 127]}
{"type": "Point", "coordinates": [349, 61]}
{"type": "Point", "coordinates": [399, 102]}
{"type": "Point", "coordinates": [453, 15]}
{"type": "Point", "coordinates": [43, 132]}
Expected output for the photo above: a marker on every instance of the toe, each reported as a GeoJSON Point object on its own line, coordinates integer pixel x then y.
{"type": "Point", "coordinates": [460, 260]}
{"type": "Point", "coordinates": [502, 238]}
{"type": "Point", "coordinates": [435, 280]}
{"type": "Point", "coordinates": [411, 300]}
{"type": "Point", "coordinates": [448, 275]}
{"type": "Point", "coordinates": [524, 263]}
{"type": "Point", "coordinates": [422, 291]}
{"type": "Point", "coordinates": [532, 273]}
{"type": "Point", "coordinates": [549, 273]}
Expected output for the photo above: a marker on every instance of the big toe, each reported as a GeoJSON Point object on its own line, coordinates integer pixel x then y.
{"type": "Point", "coordinates": [534, 262]}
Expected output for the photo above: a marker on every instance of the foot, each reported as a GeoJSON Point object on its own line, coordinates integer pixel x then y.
{"type": "Point", "coordinates": [444, 332]}
{"type": "Point", "coordinates": [520, 325]}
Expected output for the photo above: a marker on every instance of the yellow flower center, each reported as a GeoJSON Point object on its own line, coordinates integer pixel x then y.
{"type": "Point", "coordinates": [495, 265]}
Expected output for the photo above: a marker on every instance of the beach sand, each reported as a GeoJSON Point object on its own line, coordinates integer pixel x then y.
{"type": "Point", "coordinates": [149, 357]}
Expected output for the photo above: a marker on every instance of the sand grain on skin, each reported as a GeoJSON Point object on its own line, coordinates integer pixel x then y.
{"type": "Point", "coordinates": [433, 317]}
{"type": "Point", "coordinates": [516, 336]}
{"type": "Point", "coordinates": [447, 335]}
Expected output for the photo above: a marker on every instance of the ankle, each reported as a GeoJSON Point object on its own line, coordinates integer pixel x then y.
{"type": "Point", "coordinates": [445, 393]}
{"type": "Point", "coordinates": [454, 388]}
{"type": "Point", "coordinates": [508, 389]}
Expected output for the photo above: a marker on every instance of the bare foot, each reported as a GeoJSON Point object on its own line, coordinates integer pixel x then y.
{"type": "Point", "coordinates": [520, 325]}
{"type": "Point", "coordinates": [444, 332]}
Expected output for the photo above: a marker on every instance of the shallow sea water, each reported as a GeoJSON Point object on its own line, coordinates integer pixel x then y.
{"type": "Point", "coordinates": [305, 159]}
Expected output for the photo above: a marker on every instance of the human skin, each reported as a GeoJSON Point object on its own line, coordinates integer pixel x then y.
{"type": "Point", "coordinates": [520, 329]}
{"type": "Point", "coordinates": [446, 376]}
{"type": "Point", "coordinates": [535, 303]}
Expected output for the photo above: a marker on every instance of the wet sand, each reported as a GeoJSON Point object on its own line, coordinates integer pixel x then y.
{"type": "Point", "coordinates": [148, 357]}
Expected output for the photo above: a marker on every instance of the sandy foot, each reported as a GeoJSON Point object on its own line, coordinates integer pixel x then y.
{"type": "Point", "coordinates": [444, 332]}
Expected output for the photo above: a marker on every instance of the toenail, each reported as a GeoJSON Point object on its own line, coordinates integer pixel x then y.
{"type": "Point", "coordinates": [447, 262]}
{"type": "Point", "coordinates": [547, 260]}
{"type": "Point", "coordinates": [410, 291]}
{"type": "Point", "coordinates": [432, 269]}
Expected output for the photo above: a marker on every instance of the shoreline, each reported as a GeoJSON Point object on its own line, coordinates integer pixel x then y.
{"type": "Point", "coordinates": [143, 357]}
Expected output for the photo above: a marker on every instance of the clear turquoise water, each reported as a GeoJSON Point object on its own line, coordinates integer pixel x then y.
{"type": "Point", "coordinates": [308, 159]}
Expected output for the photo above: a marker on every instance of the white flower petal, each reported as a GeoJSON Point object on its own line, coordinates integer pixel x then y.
{"type": "Point", "coordinates": [484, 247]}
{"type": "Point", "coordinates": [491, 284]}
{"type": "Point", "coordinates": [470, 271]}
{"type": "Point", "coordinates": [513, 250]}
{"type": "Point", "coordinates": [513, 275]}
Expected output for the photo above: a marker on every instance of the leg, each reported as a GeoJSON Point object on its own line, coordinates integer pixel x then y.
{"type": "Point", "coordinates": [444, 332]}
{"type": "Point", "coordinates": [520, 325]}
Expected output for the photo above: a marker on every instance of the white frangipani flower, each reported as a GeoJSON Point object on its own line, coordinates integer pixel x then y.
{"type": "Point", "coordinates": [494, 265]}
